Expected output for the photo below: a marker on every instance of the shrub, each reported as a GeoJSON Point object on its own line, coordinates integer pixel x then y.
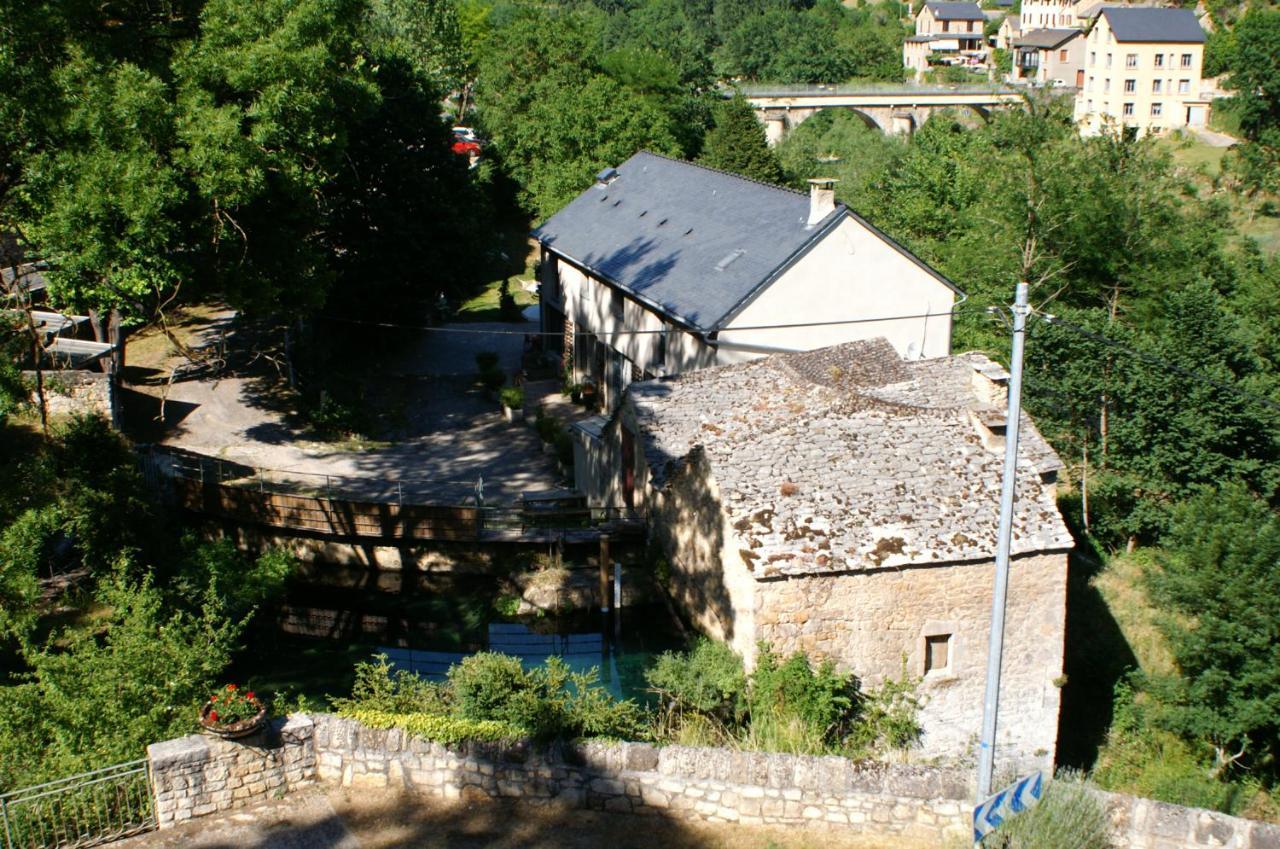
{"type": "Point", "coordinates": [546, 702]}
{"type": "Point", "coordinates": [888, 717]}
{"type": "Point", "coordinates": [512, 397]}
{"type": "Point", "coordinates": [486, 361]}
{"type": "Point", "coordinates": [377, 689]}
{"type": "Point", "coordinates": [547, 427]}
{"type": "Point", "coordinates": [795, 709]}
{"type": "Point", "coordinates": [707, 679]}
{"type": "Point", "coordinates": [1068, 816]}
{"type": "Point", "coordinates": [434, 727]}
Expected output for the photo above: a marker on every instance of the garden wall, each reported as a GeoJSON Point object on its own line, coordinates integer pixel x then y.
{"type": "Point", "coordinates": [925, 805]}
{"type": "Point", "coordinates": [75, 392]}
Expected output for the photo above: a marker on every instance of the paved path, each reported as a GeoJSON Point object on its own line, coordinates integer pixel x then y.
{"type": "Point", "coordinates": [453, 433]}
{"type": "Point", "coordinates": [338, 819]}
{"type": "Point", "coordinates": [1213, 138]}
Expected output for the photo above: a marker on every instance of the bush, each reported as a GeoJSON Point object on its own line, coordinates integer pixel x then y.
{"type": "Point", "coordinates": [430, 726]}
{"type": "Point", "coordinates": [376, 689]}
{"type": "Point", "coordinates": [1068, 816]}
{"type": "Point", "coordinates": [888, 717]}
{"type": "Point", "coordinates": [512, 397]}
{"type": "Point", "coordinates": [795, 709]}
{"type": "Point", "coordinates": [494, 692]}
{"type": "Point", "coordinates": [707, 679]}
{"type": "Point", "coordinates": [546, 702]}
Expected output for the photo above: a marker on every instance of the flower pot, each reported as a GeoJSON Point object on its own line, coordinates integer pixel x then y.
{"type": "Point", "coordinates": [509, 414]}
{"type": "Point", "coordinates": [232, 730]}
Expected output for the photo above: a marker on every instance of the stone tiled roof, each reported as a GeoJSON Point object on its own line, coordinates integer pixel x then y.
{"type": "Point", "coordinates": [850, 458]}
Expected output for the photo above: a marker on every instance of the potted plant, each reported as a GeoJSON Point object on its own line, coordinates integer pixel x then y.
{"type": "Point", "coordinates": [232, 712]}
{"type": "Point", "coordinates": [512, 398]}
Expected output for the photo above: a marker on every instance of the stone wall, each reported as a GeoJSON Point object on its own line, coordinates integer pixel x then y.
{"type": "Point", "coordinates": [1147, 824]}
{"type": "Point", "coordinates": [917, 804]}
{"type": "Point", "coordinates": [200, 775]}
{"type": "Point", "coordinates": [871, 622]}
{"type": "Point", "coordinates": [74, 391]}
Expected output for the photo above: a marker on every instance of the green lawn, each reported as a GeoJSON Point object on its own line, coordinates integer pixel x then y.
{"type": "Point", "coordinates": [1206, 162]}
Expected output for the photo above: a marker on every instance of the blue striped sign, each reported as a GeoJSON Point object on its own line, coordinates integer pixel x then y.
{"type": "Point", "coordinates": [1014, 799]}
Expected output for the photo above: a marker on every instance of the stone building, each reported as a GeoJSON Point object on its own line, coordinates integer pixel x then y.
{"type": "Point", "coordinates": [844, 502]}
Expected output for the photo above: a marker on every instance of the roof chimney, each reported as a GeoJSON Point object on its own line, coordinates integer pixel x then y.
{"type": "Point", "coordinates": [822, 199]}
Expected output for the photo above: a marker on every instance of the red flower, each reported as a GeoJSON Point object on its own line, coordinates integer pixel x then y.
{"type": "Point", "coordinates": [231, 687]}
{"type": "Point", "coordinates": [213, 716]}
{"type": "Point", "coordinates": [249, 695]}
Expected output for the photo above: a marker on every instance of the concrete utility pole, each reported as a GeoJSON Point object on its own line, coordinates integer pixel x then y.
{"type": "Point", "coordinates": [995, 647]}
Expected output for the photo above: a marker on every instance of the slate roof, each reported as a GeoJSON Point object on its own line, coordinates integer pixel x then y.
{"type": "Point", "coordinates": [1146, 24]}
{"type": "Point", "coordinates": [849, 458]}
{"type": "Point", "coordinates": [1047, 39]}
{"type": "Point", "coordinates": [956, 11]}
{"type": "Point", "coordinates": [692, 242]}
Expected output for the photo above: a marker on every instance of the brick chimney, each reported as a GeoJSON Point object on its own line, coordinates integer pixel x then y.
{"type": "Point", "coordinates": [822, 199]}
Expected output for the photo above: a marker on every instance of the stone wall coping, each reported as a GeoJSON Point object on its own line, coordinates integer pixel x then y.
{"type": "Point", "coordinates": [191, 749]}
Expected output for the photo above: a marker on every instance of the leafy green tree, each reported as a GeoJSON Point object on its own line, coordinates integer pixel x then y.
{"type": "Point", "coordinates": [737, 143]}
{"type": "Point", "coordinates": [1254, 64]}
{"type": "Point", "coordinates": [426, 33]}
{"type": "Point", "coordinates": [103, 699]}
{"type": "Point", "coordinates": [1223, 628]}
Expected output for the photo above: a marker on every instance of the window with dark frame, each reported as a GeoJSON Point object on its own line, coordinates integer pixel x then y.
{"type": "Point", "coordinates": [937, 653]}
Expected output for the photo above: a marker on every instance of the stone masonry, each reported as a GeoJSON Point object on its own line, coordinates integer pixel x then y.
{"type": "Point", "coordinates": [918, 803]}
{"type": "Point", "coordinates": [199, 775]}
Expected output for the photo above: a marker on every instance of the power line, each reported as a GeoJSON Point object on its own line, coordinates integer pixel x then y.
{"type": "Point", "coordinates": [491, 332]}
{"type": "Point", "coordinates": [1153, 360]}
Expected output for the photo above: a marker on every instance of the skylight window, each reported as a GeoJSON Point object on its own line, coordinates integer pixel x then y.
{"type": "Point", "coordinates": [729, 260]}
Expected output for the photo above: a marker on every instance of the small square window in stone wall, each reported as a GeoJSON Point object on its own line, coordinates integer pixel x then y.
{"type": "Point", "coordinates": [937, 652]}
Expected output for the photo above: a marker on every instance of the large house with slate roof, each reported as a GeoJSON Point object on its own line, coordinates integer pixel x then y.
{"type": "Point", "coordinates": [946, 33]}
{"type": "Point", "coordinates": [1142, 72]}
{"type": "Point", "coordinates": [664, 266]}
{"type": "Point", "coordinates": [843, 502]}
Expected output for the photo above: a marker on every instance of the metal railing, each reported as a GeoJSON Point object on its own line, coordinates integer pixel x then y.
{"type": "Point", "coordinates": [527, 517]}
{"type": "Point", "coordinates": [81, 810]}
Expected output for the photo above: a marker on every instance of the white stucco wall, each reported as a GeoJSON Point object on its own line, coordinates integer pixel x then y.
{"type": "Point", "coordinates": [851, 274]}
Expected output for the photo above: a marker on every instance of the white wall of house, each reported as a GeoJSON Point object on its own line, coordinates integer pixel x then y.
{"type": "Point", "coordinates": [851, 274]}
{"type": "Point", "coordinates": [1152, 87]}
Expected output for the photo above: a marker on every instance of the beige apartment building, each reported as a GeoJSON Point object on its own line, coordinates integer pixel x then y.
{"type": "Point", "coordinates": [950, 33]}
{"type": "Point", "coordinates": [1142, 72]}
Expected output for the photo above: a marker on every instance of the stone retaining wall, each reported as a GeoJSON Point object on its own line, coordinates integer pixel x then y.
{"type": "Point", "coordinates": [927, 806]}
{"type": "Point", "coordinates": [74, 391]}
{"type": "Point", "coordinates": [199, 775]}
{"type": "Point", "coordinates": [916, 803]}
{"type": "Point", "coordinates": [1147, 824]}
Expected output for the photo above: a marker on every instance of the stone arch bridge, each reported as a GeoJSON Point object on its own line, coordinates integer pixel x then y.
{"type": "Point", "coordinates": [889, 109]}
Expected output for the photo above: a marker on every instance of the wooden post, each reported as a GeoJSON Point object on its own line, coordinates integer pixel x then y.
{"type": "Point", "coordinates": [604, 573]}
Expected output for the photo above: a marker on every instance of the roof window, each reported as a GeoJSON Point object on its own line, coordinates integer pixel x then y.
{"type": "Point", "coordinates": [729, 260]}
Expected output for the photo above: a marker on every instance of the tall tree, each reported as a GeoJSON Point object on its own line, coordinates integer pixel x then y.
{"type": "Point", "coordinates": [1254, 64]}
{"type": "Point", "coordinates": [737, 143]}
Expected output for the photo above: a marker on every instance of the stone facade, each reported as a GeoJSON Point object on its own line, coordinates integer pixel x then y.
{"type": "Point", "coordinates": [912, 804]}
{"type": "Point", "coordinates": [200, 775]}
{"type": "Point", "coordinates": [75, 391]}
{"type": "Point", "coordinates": [873, 623]}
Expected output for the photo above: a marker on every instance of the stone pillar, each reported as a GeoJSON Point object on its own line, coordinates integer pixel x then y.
{"type": "Point", "coordinates": [199, 775]}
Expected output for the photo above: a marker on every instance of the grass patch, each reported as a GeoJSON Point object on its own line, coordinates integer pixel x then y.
{"type": "Point", "coordinates": [522, 254]}
{"type": "Point", "coordinates": [1121, 586]}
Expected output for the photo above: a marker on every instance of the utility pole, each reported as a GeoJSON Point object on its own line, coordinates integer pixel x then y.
{"type": "Point", "coordinates": [995, 646]}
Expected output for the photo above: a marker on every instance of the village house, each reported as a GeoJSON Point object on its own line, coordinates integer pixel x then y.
{"type": "Point", "coordinates": [1050, 57]}
{"type": "Point", "coordinates": [1010, 29]}
{"type": "Point", "coordinates": [844, 502]}
{"type": "Point", "coordinates": [664, 266]}
{"type": "Point", "coordinates": [946, 33]}
{"type": "Point", "coordinates": [1142, 72]}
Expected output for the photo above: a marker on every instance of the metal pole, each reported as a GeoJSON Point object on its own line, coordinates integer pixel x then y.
{"type": "Point", "coordinates": [995, 647]}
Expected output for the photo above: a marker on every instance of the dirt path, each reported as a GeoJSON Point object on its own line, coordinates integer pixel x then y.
{"type": "Point", "coordinates": [339, 819]}
{"type": "Point", "coordinates": [453, 434]}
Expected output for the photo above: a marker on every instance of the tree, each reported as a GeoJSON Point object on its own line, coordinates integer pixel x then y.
{"type": "Point", "coordinates": [737, 143]}
{"type": "Point", "coordinates": [1224, 547]}
{"type": "Point", "coordinates": [1254, 65]}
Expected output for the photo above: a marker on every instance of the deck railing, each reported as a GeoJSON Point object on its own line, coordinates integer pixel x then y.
{"type": "Point", "coordinates": [81, 810]}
